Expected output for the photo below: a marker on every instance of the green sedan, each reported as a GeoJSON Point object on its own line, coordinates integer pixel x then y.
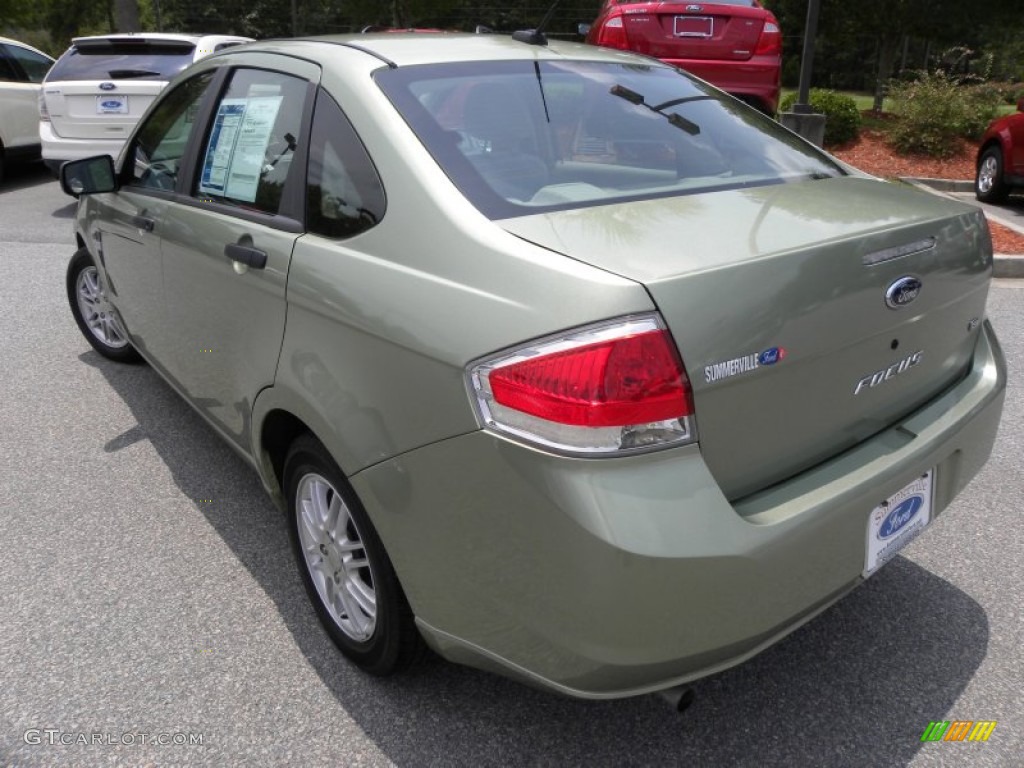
{"type": "Point", "coordinates": [561, 362]}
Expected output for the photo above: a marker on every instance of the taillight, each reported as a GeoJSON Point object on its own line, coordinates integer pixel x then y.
{"type": "Point", "coordinates": [44, 113]}
{"type": "Point", "coordinates": [612, 33]}
{"type": "Point", "coordinates": [770, 42]}
{"type": "Point", "coordinates": [604, 389]}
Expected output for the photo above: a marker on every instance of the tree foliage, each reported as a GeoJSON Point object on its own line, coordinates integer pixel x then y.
{"type": "Point", "coordinates": [861, 45]}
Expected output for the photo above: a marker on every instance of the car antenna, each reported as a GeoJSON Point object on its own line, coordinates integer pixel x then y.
{"type": "Point", "coordinates": [536, 36]}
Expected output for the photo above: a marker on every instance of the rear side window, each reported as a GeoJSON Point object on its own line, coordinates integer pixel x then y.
{"type": "Point", "coordinates": [8, 72]}
{"type": "Point", "coordinates": [344, 195]}
{"type": "Point", "coordinates": [123, 59]}
{"type": "Point", "coordinates": [33, 65]}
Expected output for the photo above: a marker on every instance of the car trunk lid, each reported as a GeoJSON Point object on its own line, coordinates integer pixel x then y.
{"type": "Point", "coordinates": [694, 30]}
{"type": "Point", "coordinates": [776, 298]}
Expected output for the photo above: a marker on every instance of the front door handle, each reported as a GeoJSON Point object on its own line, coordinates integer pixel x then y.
{"type": "Point", "coordinates": [246, 254]}
{"type": "Point", "coordinates": [143, 223]}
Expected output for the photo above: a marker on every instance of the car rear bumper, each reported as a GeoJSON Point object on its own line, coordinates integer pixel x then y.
{"type": "Point", "coordinates": [57, 149]}
{"type": "Point", "coordinates": [758, 78]}
{"type": "Point", "coordinates": [617, 577]}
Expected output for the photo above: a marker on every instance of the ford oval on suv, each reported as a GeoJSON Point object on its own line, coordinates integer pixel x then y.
{"type": "Point", "coordinates": [733, 44]}
{"type": "Point", "coordinates": [560, 361]}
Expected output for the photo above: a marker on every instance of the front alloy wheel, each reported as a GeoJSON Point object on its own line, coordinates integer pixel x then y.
{"type": "Point", "coordinates": [96, 318]}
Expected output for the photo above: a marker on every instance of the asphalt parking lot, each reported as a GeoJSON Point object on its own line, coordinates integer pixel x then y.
{"type": "Point", "coordinates": [148, 591]}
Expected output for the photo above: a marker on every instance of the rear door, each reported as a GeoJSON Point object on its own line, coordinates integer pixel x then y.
{"type": "Point", "coordinates": [21, 72]}
{"type": "Point", "coordinates": [722, 30]}
{"type": "Point", "coordinates": [1017, 143]}
{"type": "Point", "coordinates": [99, 89]}
{"type": "Point", "coordinates": [227, 244]}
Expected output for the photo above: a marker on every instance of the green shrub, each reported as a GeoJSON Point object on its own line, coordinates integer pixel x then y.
{"type": "Point", "coordinates": [842, 118]}
{"type": "Point", "coordinates": [935, 111]}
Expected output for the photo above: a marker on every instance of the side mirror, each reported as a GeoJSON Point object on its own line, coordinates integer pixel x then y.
{"type": "Point", "coordinates": [88, 176]}
{"type": "Point", "coordinates": [583, 29]}
{"type": "Point", "coordinates": [1020, 105]}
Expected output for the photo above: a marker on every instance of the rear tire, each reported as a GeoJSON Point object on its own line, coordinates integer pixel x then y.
{"type": "Point", "coordinates": [989, 186]}
{"type": "Point", "coordinates": [344, 567]}
{"type": "Point", "coordinates": [97, 319]}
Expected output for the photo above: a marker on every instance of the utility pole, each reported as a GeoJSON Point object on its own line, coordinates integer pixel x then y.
{"type": "Point", "coordinates": [803, 119]}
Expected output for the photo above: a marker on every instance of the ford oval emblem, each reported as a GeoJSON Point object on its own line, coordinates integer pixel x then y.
{"type": "Point", "coordinates": [111, 104]}
{"type": "Point", "coordinates": [902, 292]}
{"type": "Point", "coordinates": [771, 356]}
{"type": "Point", "coordinates": [694, 8]}
{"type": "Point", "coordinates": [900, 516]}
{"type": "Point", "coordinates": [107, 86]}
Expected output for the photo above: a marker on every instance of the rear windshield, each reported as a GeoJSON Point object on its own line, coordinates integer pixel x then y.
{"type": "Point", "coordinates": [122, 60]}
{"type": "Point", "coordinates": [522, 137]}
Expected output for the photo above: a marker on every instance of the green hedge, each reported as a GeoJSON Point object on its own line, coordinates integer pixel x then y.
{"type": "Point", "coordinates": [842, 118]}
{"type": "Point", "coordinates": [936, 110]}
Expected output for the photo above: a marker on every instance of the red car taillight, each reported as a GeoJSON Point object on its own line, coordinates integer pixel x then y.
{"type": "Point", "coordinates": [606, 389]}
{"type": "Point", "coordinates": [770, 42]}
{"type": "Point", "coordinates": [612, 33]}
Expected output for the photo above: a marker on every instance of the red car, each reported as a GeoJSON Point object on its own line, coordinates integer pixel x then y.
{"type": "Point", "coordinates": [735, 45]}
{"type": "Point", "coordinates": [1001, 158]}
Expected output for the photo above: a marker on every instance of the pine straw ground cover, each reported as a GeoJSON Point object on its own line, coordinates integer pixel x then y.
{"type": "Point", "coordinates": [871, 153]}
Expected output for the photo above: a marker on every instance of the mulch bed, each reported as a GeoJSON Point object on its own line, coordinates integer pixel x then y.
{"type": "Point", "coordinates": [871, 153]}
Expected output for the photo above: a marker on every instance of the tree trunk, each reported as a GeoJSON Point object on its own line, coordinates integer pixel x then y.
{"type": "Point", "coordinates": [397, 17]}
{"type": "Point", "coordinates": [887, 49]}
{"type": "Point", "coordinates": [126, 15]}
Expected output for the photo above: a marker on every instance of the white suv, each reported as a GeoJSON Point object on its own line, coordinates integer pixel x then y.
{"type": "Point", "coordinates": [99, 88]}
{"type": "Point", "coordinates": [22, 69]}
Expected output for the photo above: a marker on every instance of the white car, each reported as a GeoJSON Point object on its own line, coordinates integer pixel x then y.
{"type": "Point", "coordinates": [22, 69]}
{"type": "Point", "coordinates": [100, 87]}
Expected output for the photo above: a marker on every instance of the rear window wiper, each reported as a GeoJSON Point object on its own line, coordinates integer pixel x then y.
{"type": "Point", "coordinates": [675, 119]}
{"type": "Point", "coordinates": [121, 74]}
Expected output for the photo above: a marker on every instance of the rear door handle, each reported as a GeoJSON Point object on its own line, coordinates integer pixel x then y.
{"type": "Point", "coordinates": [143, 223]}
{"type": "Point", "coordinates": [246, 254]}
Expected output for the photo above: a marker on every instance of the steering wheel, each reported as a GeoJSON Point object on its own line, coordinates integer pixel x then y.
{"type": "Point", "coordinates": [159, 175]}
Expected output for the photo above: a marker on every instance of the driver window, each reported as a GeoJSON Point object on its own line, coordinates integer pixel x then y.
{"type": "Point", "coordinates": [160, 143]}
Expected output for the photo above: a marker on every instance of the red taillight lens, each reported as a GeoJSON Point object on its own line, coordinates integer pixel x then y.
{"type": "Point", "coordinates": [612, 34]}
{"type": "Point", "coordinates": [631, 380]}
{"type": "Point", "coordinates": [604, 389]}
{"type": "Point", "coordinates": [770, 42]}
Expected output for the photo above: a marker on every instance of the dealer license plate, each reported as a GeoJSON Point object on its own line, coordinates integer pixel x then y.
{"type": "Point", "coordinates": [897, 521]}
{"type": "Point", "coordinates": [694, 26]}
{"type": "Point", "coordinates": [111, 105]}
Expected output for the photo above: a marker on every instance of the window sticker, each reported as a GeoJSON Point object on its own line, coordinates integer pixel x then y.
{"type": "Point", "coordinates": [238, 145]}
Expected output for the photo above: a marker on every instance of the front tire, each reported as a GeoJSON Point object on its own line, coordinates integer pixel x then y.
{"type": "Point", "coordinates": [989, 186]}
{"type": "Point", "coordinates": [344, 567]}
{"type": "Point", "coordinates": [96, 318]}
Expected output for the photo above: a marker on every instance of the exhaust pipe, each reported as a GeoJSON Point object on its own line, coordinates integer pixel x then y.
{"type": "Point", "coordinates": [679, 698]}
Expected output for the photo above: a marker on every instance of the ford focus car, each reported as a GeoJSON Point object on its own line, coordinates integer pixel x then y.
{"type": "Point", "coordinates": [560, 362]}
{"type": "Point", "coordinates": [733, 44]}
